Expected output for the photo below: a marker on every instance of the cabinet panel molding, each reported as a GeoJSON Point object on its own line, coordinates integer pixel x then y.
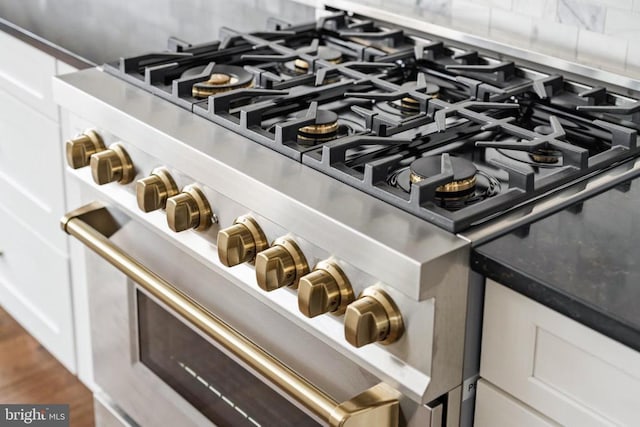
{"type": "Point", "coordinates": [561, 368]}
{"type": "Point", "coordinates": [26, 74]}
{"type": "Point", "coordinates": [35, 288]}
{"type": "Point", "coordinates": [495, 408]}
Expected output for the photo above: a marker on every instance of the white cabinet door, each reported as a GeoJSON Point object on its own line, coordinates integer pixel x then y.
{"type": "Point", "coordinates": [559, 367]}
{"type": "Point", "coordinates": [495, 408]}
{"type": "Point", "coordinates": [25, 72]}
{"type": "Point", "coordinates": [31, 179]}
{"type": "Point", "coordinates": [34, 287]}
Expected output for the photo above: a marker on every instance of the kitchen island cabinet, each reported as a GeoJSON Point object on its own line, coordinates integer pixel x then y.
{"type": "Point", "coordinates": [561, 328]}
{"type": "Point", "coordinates": [547, 369]}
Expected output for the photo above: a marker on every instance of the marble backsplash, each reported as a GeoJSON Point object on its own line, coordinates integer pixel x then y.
{"type": "Point", "coordinates": [601, 33]}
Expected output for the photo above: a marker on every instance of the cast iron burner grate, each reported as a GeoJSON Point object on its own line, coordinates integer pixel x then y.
{"type": "Point", "coordinates": [361, 101]}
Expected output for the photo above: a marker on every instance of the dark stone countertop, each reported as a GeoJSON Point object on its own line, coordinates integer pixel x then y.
{"type": "Point", "coordinates": [583, 262]}
{"type": "Point", "coordinates": [45, 45]}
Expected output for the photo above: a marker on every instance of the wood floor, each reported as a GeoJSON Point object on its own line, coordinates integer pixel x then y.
{"type": "Point", "coordinates": [29, 374]}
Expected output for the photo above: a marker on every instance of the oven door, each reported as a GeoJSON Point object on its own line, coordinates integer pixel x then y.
{"type": "Point", "coordinates": [165, 359]}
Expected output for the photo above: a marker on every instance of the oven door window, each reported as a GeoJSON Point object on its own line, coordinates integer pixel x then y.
{"type": "Point", "coordinates": [212, 382]}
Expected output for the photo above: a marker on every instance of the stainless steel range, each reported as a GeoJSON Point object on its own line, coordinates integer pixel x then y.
{"type": "Point", "coordinates": [292, 210]}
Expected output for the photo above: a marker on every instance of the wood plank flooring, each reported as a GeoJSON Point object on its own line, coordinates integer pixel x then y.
{"type": "Point", "coordinates": [29, 374]}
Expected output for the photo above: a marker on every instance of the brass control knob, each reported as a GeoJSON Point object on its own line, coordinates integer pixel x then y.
{"type": "Point", "coordinates": [241, 242]}
{"type": "Point", "coordinates": [112, 165]}
{"type": "Point", "coordinates": [326, 289]}
{"type": "Point", "coordinates": [283, 264]}
{"type": "Point", "coordinates": [372, 317]}
{"type": "Point", "coordinates": [80, 148]}
{"type": "Point", "coordinates": [189, 209]}
{"type": "Point", "coordinates": [153, 191]}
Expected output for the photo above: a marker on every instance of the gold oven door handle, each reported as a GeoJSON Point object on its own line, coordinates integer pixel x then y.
{"type": "Point", "coordinates": [378, 406]}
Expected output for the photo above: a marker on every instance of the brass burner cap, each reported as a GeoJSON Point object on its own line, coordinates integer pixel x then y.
{"type": "Point", "coordinates": [410, 104]}
{"type": "Point", "coordinates": [545, 155]}
{"type": "Point", "coordinates": [301, 64]}
{"type": "Point", "coordinates": [457, 186]}
{"type": "Point", "coordinates": [324, 53]}
{"type": "Point", "coordinates": [219, 79]}
{"type": "Point", "coordinates": [222, 79]}
{"type": "Point", "coordinates": [324, 128]}
{"type": "Point", "coordinates": [464, 174]}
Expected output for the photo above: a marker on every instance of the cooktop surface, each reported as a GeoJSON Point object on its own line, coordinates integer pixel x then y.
{"type": "Point", "coordinates": [445, 132]}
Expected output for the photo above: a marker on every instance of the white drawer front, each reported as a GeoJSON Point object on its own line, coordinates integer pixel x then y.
{"type": "Point", "coordinates": [495, 408]}
{"type": "Point", "coordinates": [35, 288]}
{"type": "Point", "coordinates": [569, 372]}
{"type": "Point", "coordinates": [25, 72]}
{"type": "Point", "coordinates": [31, 169]}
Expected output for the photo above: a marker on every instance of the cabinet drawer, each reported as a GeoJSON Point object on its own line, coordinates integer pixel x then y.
{"type": "Point", "coordinates": [495, 408]}
{"type": "Point", "coordinates": [31, 177]}
{"type": "Point", "coordinates": [564, 370]}
{"type": "Point", "coordinates": [26, 72]}
{"type": "Point", "coordinates": [35, 288]}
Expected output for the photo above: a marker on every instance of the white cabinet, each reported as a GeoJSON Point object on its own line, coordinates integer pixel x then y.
{"type": "Point", "coordinates": [561, 369]}
{"type": "Point", "coordinates": [34, 266]}
{"type": "Point", "coordinates": [25, 73]}
{"type": "Point", "coordinates": [31, 180]}
{"type": "Point", "coordinates": [34, 286]}
{"type": "Point", "coordinates": [495, 408]}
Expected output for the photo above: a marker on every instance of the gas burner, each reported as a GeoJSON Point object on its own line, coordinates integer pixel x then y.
{"type": "Point", "coordinates": [324, 53]}
{"type": "Point", "coordinates": [470, 185]}
{"type": "Point", "coordinates": [223, 78]}
{"type": "Point", "coordinates": [540, 158]}
{"type": "Point", "coordinates": [545, 155]}
{"type": "Point", "coordinates": [408, 105]}
{"type": "Point", "coordinates": [289, 69]}
{"type": "Point", "coordinates": [464, 175]}
{"type": "Point", "coordinates": [324, 129]}
{"type": "Point", "coordinates": [411, 105]}
{"type": "Point", "coordinates": [543, 129]}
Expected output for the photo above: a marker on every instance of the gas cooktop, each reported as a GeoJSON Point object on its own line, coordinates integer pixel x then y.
{"type": "Point", "coordinates": [446, 133]}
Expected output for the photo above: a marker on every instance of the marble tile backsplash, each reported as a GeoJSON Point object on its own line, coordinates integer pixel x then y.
{"type": "Point", "coordinates": [600, 33]}
{"type": "Point", "coordinates": [576, 13]}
